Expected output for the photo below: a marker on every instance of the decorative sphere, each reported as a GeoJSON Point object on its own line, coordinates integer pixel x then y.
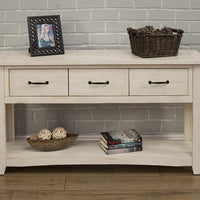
{"type": "Point", "coordinates": [44, 134]}
{"type": "Point", "coordinates": [59, 133]}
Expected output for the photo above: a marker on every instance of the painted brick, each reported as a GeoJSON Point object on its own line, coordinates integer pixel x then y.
{"type": "Point", "coordinates": [23, 115]}
{"type": "Point", "coordinates": [89, 127]}
{"type": "Point", "coordinates": [62, 4]}
{"type": "Point", "coordinates": [124, 39]}
{"type": "Point", "coordinates": [76, 115]}
{"type": "Point", "coordinates": [116, 27]}
{"type": "Point", "coordinates": [76, 15]}
{"type": "Point", "coordinates": [75, 39]}
{"type": "Point", "coordinates": [195, 39]}
{"type": "Point", "coordinates": [2, 18]}
{"type": "Point", "coordinates": [20, 40]}
{"type": "Point", "coordinates": [104, 14]}
{"type": "Point", "coordinates": [161, 113]}
{"type": "Point", "coordinates": [1, 41]}
{"type": "Point", "coordinates": [8, 4]}
{"type": "Point", "coordinates": [46, 12]}
{"type": "Point", "coordinates": [133, 14]}
{"type": "Point", "coordinates": [9, 28]}
{"type": "Point", "coordinates": [161, 15]}
{"type": "Point", "coordinates": [18, 16]}
{"type": "Point", "coordinates": [195, 4]}
{"type": "Point", "coordinates": [179, 113]}
{"type": "Point", "coordinates": [29, 127]}
{"type": "Point", "coordinates": [178, 4]}
{"type": "Point", "coordinates": [150, 127]}
{"type": "Point", "coordinates": [68, 27]}
{"type": "Point", "coordinates": [116, 47]}
{"type": "Point", "coordinates": [68, 125]}
{"type": "Point", "coordinates": [187, 15]}
{"type": "Point", "coordinates": [148, 4]}
{"type": "Point", "coordinates": [195, 27]}
{"type": "Point", "coordinates": [119, 4]}
{"type": "Point", "coordinates": [172, 126]}
{"type": "Point", "coordinates": [105, 39]}
{"type": "Point", "coordinates": [24, 28]}
{"type": "Point", "coordinates": [90, 3]}
{"type": "Point", "coordinates": [45, 115]}
{"type": "Point", "coordinates": [186, 39]}
{"type": "Point", "coordinates": [133, 113]}
{"type": "Point", "coordinates": [117, 125]}
{"type": "Point", "coordinates": [90, 27]}
{"type": "Point", "coordinates": [32, 5]}
{"type": "Point", "coordinates": [105, 114]}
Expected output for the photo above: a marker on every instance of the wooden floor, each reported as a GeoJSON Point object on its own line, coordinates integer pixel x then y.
{"type": "Point", "coordinates": [99, 182]}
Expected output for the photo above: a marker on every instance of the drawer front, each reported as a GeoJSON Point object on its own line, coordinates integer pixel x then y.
{"type": "Point", "coordinates": [159, 82]}
{"type": "Point", "coordinates": [98, 82]}
{"type": "Point", "coordinates": [39, 82]}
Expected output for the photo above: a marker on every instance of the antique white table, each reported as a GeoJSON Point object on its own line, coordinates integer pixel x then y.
{"type": "Point", "coordinates": [100, 76]}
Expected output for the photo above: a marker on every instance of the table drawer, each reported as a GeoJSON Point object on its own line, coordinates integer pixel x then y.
{"type": "Point", "coordinates": [98, 82]}
{"type": "Point", "coordinates": [159, 82]}
{"type": "Point", "coordinates": [39, 82]}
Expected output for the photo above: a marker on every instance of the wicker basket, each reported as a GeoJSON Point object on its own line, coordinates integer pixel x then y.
{"type": "Point", "coordinates": [52, 145]}
{"type": "Point", "coordinates": [149, 46]}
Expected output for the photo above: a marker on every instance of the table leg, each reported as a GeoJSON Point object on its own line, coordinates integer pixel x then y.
{"type": "Point", "coordinates": [196, 121]}
{"type": "Point", "coordinates": [188, 121]}
{"type": "Point", "coordinates": [10, 122]}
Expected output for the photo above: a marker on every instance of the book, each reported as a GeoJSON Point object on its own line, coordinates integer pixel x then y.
{"type": "Point", "coordinates": [114, 137]}
{"type": "Point", "coordinates": [120, 146]}
{"type": "Point", "coordinates": [119, 151]}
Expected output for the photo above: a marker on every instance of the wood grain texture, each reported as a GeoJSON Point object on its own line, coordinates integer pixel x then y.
{"type": "Point", "coordinates": [110, 195]}
{"type": "Point", "coordinates": [178, 82]}
{"type": "Point", "coordinates": [97, 57]}
{"type": "Point", "coordinates": [6, 194]}
{"type": "Point", "coordinates": [133, 184]}
{"type": "Point", "coordinates": [32, 183]}
{"type": "Point", "coordinates": [118, 82]}
{"type": "Point", "coordinates": [58, 82]}
{"type": "Point", "coordinates": [2, 124]}
{"type": "Point", "coordinates": [196, 124]}
{"type": "Point", "coordinates": [155, 152]}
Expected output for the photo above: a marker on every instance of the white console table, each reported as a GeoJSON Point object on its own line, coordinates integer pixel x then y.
{"type": "Point", "coordinates": [124, 78]}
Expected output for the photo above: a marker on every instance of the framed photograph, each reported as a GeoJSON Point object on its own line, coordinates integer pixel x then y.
{"type": "Point", "coordinates": [45, 35]}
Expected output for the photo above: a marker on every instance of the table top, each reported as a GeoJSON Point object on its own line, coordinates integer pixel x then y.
{"type": "Point", "coordinates": [96, 57]}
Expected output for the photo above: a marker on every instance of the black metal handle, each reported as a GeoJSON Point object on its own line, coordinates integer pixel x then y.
{"type": "Point", "coordinates": [38, 83]}
{"type": "Point", "coordinates": [159, 82]}
{"type": "Point", "coordinates": [98, 83]}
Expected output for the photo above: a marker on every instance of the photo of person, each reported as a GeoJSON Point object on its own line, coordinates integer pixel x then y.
{"type": "Point", "coordinates": [45, 35]}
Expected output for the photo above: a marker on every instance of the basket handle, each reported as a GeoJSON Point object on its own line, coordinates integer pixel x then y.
{"type": "Point", "coordinates": [178, 31]}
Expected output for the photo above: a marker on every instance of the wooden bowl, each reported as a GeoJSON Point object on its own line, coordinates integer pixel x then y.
{"type": "Point", "coordinates": [52, 145]}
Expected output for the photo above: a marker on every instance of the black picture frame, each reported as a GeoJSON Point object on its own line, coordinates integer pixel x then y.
{"type": "Point", "coordinates": [51, 43]}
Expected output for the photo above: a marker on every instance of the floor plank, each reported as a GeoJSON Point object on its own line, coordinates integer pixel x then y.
{"type": "Point", "coordinates": [33, 183]}
{"type": "Point", "coordinates": [84, 171]}
{"type": "Point", "coordinates": [5, 195]}
{"type": "Point", "coordinates": [175, 171]}
{"type": "Point", "coordinates": [131, 183]}
{"type": "Point", "coordinates": [110, 195]}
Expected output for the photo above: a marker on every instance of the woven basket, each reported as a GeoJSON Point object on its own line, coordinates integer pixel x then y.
{"type": "Point", "coordinates": [149, 46]}
{"type": "Point", "coordinates": [52, 145]}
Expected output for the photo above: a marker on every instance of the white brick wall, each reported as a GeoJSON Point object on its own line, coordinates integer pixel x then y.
{"type": "Point", "coordinates": [95, 20]}
{"type": "Point", "coordinates": [100, 24]}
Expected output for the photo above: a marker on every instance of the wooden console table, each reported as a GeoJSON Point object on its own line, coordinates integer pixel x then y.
{"type": "Point", "coordinates": [100, 76]}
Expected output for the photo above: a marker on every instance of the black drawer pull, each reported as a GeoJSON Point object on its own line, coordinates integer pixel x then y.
{"type": "Point", "coordinates": [38, 83]}
{"type": "Point", "coordinates": [159, 82]}
{"type": "Point", "coordinates": [98, 83]}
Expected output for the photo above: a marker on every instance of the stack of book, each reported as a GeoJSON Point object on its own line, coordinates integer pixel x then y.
{"type": "Point", "coordinates": [121, 142]}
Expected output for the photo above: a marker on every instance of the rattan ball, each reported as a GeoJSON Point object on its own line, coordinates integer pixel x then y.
{"type": "Point", "coordinates": [33, 137]}
{"type": "Point", "coordinates": [59, 133]}
{"type": "Point", "coordinates": [44, 134]}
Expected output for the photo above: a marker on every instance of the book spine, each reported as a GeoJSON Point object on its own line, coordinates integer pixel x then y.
{"type": "Point", "coordinates": [125, 150]}
{"type": "Point", "coordinates": [124, 145]}
{"type": "Point", "coordinates": [109, 139]}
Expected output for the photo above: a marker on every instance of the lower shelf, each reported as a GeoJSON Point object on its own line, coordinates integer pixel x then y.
{"type": "Point", "coordinates": [155, 152]}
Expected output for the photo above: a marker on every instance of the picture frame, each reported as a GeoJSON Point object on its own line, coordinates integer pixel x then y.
{"type": "Point", "coordinates": [45, 35]}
